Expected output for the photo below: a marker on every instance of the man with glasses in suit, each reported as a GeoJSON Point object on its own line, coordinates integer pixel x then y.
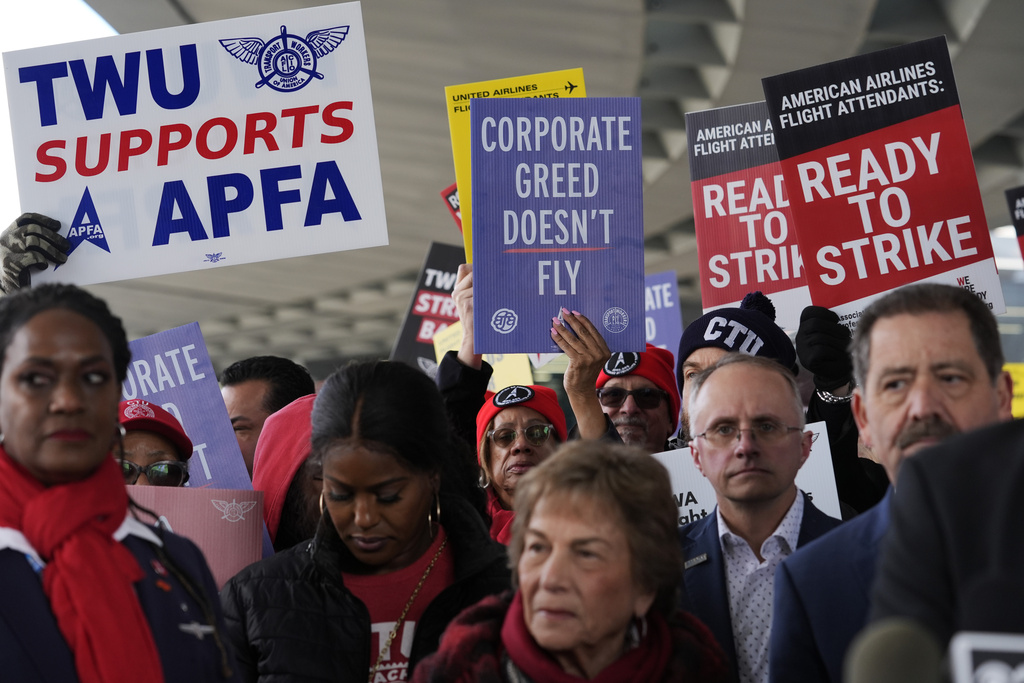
{"type": "Point", "coordinates": [748, 439]}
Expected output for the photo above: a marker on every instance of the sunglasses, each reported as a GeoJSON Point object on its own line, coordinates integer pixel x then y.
{"type": "Point", "coordinates": [535, 434]}
{"type": "Point", "coordinates": [646, 398]}
{"type": "Point", "coordinates": [163, 473]}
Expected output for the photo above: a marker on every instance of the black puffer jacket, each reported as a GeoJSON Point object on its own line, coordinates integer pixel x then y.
{"type": "Point", "coordinates": [290, 617]}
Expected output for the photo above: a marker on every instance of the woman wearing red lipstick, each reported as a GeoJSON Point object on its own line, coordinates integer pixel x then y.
{"type": "Point", "coordinates": [87, 593]}
{"type": "Point", "coordinates": [401, 547]}
{"type": "Point", "coordinates": [597, 564]}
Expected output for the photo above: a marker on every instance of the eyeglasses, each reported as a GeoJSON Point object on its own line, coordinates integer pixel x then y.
{"type": "Point", "coordinates": [767, 432]}
{"type": "Point", "coordinates": [163, 473]}
{"type": "Point", "coordinates": [646, 398]}
{"type": "Point", "coordinates": [535, 434]}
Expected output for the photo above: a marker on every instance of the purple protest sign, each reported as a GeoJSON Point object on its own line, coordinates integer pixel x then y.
{"type": "Point", "coordinates": [173, 369]}
{"type": "Point", "coordinates": [558, 220]}
{"type": "Point", "coordinates": [664, 320]}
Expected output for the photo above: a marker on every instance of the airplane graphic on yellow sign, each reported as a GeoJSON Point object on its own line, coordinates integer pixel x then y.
{"type": "Point", "coordinates": [567, 83]}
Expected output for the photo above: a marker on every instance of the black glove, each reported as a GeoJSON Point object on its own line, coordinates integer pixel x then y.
{"type": "Point", "coordinates": [823, 346]}
{"type": "Point", "coordinates": [28, 244]}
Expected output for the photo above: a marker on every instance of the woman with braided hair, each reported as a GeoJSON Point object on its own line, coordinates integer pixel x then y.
{"type": "Point", "coordinates": [87, 592]}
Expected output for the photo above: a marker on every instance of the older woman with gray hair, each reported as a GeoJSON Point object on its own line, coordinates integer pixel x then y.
{"type": "Point", "coordinates": [595, 562]}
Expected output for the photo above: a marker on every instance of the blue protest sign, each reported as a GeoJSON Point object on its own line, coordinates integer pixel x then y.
{"type": "Point", "coordinates": [173, 369]}
{"type": "Point", "coordinates": [664, 320]}
{"type": "Point", "coordinates": [558, 220]}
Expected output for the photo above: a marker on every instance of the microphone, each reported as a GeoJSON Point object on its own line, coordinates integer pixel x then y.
{"type": "Point", "coordinates": [894, 650]}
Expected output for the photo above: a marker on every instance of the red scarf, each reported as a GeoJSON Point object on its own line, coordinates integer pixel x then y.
{"type": "Point", "coordinates": [501, 519]}
{"type": "Point", "coordinates": [646, 662]}
{"type": "Point", "coordinates": [88, 576]}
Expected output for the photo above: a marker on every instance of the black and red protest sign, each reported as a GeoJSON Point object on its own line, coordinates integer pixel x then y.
{"type": "Point", "coordinates": [432, 308]}
{"type": "Point", "coordinates": [450, 195]}
{"type": "Point", "coordinates": [881, 177]}
{"type": "Point", "coordinates": [746, 240]}
{"type": "Point", "coordinates": [1015, 200]}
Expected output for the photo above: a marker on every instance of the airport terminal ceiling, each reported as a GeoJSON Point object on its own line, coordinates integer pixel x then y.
{"type": "Point", "coordinates": [677, 55]}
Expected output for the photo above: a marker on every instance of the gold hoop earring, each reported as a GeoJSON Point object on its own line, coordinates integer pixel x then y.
{"type": "Point", "coordinates": [321, 503]}
{"type": "Point", "coordinates": [434, 516]}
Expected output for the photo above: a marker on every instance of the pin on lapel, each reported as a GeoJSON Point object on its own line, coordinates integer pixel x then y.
{"type": "Point", "coordinates": [693, 562]}
{"type": "Point", "coordinates": [200, 631]}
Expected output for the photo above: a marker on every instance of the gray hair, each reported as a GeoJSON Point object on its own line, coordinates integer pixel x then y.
{"type": "Point", "coordinates": [701, 379]}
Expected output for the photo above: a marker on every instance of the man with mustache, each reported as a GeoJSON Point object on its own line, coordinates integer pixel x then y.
{"type": "Point", "coordinates": [635, 399]}
{"type": "Point", "coordinates": [637, 392]}
{"type": "Point", "coordinates": [928, 365]}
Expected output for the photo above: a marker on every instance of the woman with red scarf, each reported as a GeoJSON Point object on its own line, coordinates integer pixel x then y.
{"type": "Point", "coordinates": [87, 592]}
{"type": "Point", "coordinates": [596, 565]}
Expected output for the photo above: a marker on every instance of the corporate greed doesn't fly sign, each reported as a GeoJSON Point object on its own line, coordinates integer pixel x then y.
{"type": "Point", "coordinates": [218, 143]}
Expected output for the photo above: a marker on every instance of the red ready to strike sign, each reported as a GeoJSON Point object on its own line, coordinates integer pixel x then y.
{"type": "Point", "coordinates": [746, 239]}
{"type": "Point", "coordinates": [881, 178]}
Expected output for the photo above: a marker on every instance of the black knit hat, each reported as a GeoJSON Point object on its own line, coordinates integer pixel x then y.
{"type": "Point", "coordinates": [749, 329]}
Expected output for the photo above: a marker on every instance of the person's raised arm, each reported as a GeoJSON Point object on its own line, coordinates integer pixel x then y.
{"type": "Point", "coordinates": [30, 243]}
{"type": "Point", "coordinates": [587, 353]}
{"type": "Point", "coordinates": [463, 296]}
{"type": "Point", "coordinates": [463, 376]}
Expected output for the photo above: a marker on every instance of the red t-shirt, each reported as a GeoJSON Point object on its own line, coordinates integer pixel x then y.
{"type": "Point", "coordinates": [385, 596]}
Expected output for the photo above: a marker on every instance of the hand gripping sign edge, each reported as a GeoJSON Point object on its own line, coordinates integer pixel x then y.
{"type": "Point", "coordinates": [286, 62]}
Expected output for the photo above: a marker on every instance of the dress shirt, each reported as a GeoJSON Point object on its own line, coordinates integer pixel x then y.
{"type": "Point", "coordinates": [751, 589]}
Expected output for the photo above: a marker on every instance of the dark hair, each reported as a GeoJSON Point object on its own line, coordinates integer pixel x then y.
{"type": "Point", "coordinates": [625, 481]}
{"type": "Point", "coordinates": [391, 405]}
{"type": "Point", "coordinates": [18, 308]}
{"type": "Point", "coordinates": [300, 514]}
{"type": "Point", "coordinates": [930, 298]}
{"type": "Point", "coordinates": [286, 380]}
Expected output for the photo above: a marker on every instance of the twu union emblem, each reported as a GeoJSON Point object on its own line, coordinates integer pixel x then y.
{"type": "Point", "coordinates": [286, 62]}
{"type": "Point", "coordinates": [234, 511]}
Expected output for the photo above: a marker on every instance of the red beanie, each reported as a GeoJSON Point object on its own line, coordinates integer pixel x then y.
{"type": "Point", "coordinates": [541, 399]}
{"type": "Point", "coordinates": [654, 364]}
{"type": "Point", "coordinates": [137, 414]}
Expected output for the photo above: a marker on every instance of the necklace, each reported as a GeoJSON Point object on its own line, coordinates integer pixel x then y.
{"type": "Point", "coordinates": [401, 619]}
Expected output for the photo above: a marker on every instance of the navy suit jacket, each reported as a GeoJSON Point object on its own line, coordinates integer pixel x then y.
{"type": "Point", "coordinates": [952, 557]}
{"type": "Point", "coordinates": [32, 649]}
{"type": "Point", "coordinates": [822, 599]}
{"type": "Point", "coordinates": [704, 591]}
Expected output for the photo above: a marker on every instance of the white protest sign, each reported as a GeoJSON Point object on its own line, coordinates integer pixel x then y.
{"type": "Point", "coordinates": [200, 146]}
{"type": "Point", "coordinates": [695, 496]}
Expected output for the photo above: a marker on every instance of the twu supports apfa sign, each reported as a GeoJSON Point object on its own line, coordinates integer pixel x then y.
{"type": "Point", "coordinates": [213, 144]}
